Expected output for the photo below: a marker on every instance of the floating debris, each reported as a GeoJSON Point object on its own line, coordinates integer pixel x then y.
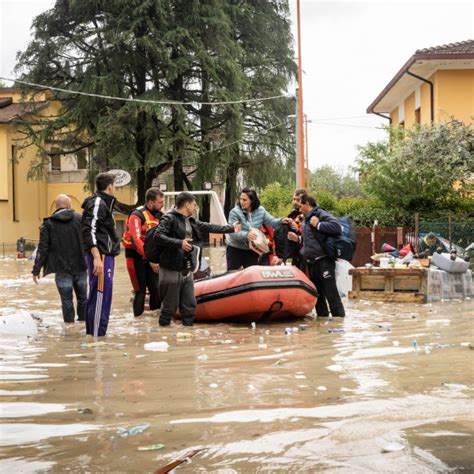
{"type": "Point", "coordinates": [151, 447]}
{"type": "Point", "coordinates": [126, 432]}
{"type": "Point", "coordinates": [161, 346]}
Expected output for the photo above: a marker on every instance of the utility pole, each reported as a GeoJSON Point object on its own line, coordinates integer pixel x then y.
{"type": "Point", "coordinates": [300, 143]}
{"type": "Point", "coordinates": [306, 154]}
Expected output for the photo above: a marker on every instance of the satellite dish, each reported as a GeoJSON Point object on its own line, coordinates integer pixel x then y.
{"type": "Point", "coordinates": [122, 177]}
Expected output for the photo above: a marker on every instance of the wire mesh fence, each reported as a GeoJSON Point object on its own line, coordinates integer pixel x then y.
{"type": "Point", "coordinates": [460, 233]}
{"type": "Point", "coordinates": [22, 247]}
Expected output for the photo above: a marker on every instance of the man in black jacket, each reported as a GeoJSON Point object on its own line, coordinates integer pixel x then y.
{"type": "Point", "coordinates": [318, 224]}
{"type": "Point", "coordinates": [60, 251]}
{"type": "Point", "coordinates": [102, 245]}
{"type": "Point", "coordinates": [180, 236]}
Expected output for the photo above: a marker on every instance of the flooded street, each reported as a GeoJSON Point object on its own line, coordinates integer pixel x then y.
{"type": "Point", "coordinates": [389, 388]}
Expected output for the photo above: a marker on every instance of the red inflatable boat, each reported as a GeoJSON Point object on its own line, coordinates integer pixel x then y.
{"type": "Point", "coordinates": [256, 293]}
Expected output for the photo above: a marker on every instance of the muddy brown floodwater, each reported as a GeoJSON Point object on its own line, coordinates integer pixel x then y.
{"type": "Point", "coordinates": [343, 395]}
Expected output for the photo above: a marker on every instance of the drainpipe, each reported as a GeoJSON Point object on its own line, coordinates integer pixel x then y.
{"type": "Point", "coordinates": [383, 116]}
{"type": "Point", "coordinates": [431, 91]}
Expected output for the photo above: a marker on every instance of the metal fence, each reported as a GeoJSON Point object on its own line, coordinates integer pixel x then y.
{"type": "Point", "coordinates": [369, 241]}
{"type": "Point", "coordinates": [460, 233]}
{"type": "Point", "coordinates": [9, 249]}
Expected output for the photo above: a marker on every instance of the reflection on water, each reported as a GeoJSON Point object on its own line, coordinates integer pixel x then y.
{"type": "Point", "coordinates": [387, 389]}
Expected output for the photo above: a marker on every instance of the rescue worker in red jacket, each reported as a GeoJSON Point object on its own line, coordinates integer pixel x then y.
{"type": "Point", "coordinates": [143, 274]}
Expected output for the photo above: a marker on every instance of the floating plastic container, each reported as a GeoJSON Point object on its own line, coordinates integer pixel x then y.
{"type": "Point", "coordinates": [17, 322]}
{"type": "Point", "coordinates": [443, 261]}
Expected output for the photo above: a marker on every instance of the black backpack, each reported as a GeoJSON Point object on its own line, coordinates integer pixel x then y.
{"type": "Point", "coordinates": [344, 245]}
{"type": "Point", "coordinates": [151, 247]}
{"type": "Point", "coordinates": [285, 248]}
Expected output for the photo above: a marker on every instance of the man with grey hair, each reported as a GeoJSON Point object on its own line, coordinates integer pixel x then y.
{"type": "Point", "coordinates": [60, 251]}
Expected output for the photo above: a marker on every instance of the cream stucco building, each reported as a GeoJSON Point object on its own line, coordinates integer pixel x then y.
{"type": "Point", "coordinates": [433, 86]}
{"type": "Point", "coordinates": [24, 202]}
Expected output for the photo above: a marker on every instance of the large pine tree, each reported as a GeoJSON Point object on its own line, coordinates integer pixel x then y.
{"type": "Point", "coordinates": [188, 51]}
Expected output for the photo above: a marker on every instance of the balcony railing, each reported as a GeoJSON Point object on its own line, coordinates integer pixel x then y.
{"type": "Point", "coordinates": [75, 176]}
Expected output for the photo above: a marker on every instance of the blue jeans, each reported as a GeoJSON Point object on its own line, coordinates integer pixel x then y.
{"type": "Point", "coordinates": [65, 284]}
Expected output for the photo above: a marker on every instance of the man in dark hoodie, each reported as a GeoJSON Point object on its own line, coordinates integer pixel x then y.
{"type": "Point", "coordinates": [180, 237]}
{"type": "Point", "coordinates": [60, 251]}
{"type": "Point", "coordinates": [102, 245]}
{"type": "Point", "coordinates": [318, 224]}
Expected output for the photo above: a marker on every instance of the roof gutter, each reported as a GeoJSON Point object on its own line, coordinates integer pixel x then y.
{"type": "Point", "coordinates": [431, 91]}
{"type": "Point", "coordinates": [416, 57]}
{"type": "Point", "coordinates": [383, 116]}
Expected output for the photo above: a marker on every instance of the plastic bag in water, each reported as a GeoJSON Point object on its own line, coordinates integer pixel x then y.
{"type": "Point", "coordinates": [343, 279]}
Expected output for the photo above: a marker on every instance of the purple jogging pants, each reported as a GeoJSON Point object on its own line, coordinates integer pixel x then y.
{"type": "Point", "coordinates": [100, 296]}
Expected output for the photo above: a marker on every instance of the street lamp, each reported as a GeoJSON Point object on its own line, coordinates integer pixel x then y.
{"type": "Point", "coordinates": [163, 187]}
{"type": "Point", "coordinates": [208, 186]}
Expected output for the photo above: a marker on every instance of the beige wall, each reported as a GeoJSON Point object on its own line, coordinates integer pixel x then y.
{"type": "Point", "coordinates": [455, 95]}
{"type": "Point", "coordinates": [22, 213]}
{"type": "Point", "coordinates": [35, 199]}
{"type": "Point", "coordinates": [425, 101]}
{"type": "Point", "coordinates": [4, 168]}
{"type": "Point", "coordinates": [394, 117]}
{"type": "Point", "coordinates": [410, 111]}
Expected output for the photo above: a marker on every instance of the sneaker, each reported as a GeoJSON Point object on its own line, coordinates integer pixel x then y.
{"type": "Point", "coordinates": [193, 259]}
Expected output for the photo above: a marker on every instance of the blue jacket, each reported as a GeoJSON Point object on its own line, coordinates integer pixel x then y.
{"type": "Point", "coordinates": [254, 219]}
{"type": "Point", "coordinates": [314, 238]}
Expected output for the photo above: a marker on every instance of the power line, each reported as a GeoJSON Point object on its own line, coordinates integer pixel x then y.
{"type": "Point", "coordinates": [242, 140]}
{"type": "Point", "coordinates": [346, 118]}
{"type": "Point", "coordinates": [145, 101]}
{"type": "Point", "coordinates": [316, 122]}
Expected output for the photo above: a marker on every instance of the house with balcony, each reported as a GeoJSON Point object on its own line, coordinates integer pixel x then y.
{"type": "Point", "coordinates": [435, 85]}
{"type": "Point", "coordinates": [25, 202]}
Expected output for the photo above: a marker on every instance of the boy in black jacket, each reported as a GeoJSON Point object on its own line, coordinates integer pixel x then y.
{"type": "Point", "coordinates": [102, 245]}
{"type": "Point", "coordinates": [180, 237]}
{"type": "Point", "coordinates": [317, 226]}
{"type": "Point", "coordinates": [60, 251]}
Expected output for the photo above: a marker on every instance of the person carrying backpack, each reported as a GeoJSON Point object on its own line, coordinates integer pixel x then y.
{"type": "Point", "coordinates": [143, 274]}
{"type": "Point", "coordinates": [318, 226]}
{"type": "Point", "coordinates": [179, 237]}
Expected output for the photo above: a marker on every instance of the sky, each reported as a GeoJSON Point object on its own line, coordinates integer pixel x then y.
{"type": "Point", "coordinates": [350, 51]}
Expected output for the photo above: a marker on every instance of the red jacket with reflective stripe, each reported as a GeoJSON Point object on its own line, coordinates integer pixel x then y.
{"type": "Point", "coordinates": [139, 221]}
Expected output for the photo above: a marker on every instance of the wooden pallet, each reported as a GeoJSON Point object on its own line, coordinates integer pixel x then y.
{"type": "Point", "coordinates": [389, 284]}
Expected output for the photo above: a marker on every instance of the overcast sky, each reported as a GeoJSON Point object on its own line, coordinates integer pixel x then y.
{"type": "Point", "coordinates": [350, 51]}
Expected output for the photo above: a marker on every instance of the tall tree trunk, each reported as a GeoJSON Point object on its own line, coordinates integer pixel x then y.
{"type": "Point", "coordinates": [178, 118]}
{"type": "Point", "coordinates": [140, 88]}
{"type": "Point", "coordinates": [231, 185]}
{"type": "Point", "coordinates": [208, 171]}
